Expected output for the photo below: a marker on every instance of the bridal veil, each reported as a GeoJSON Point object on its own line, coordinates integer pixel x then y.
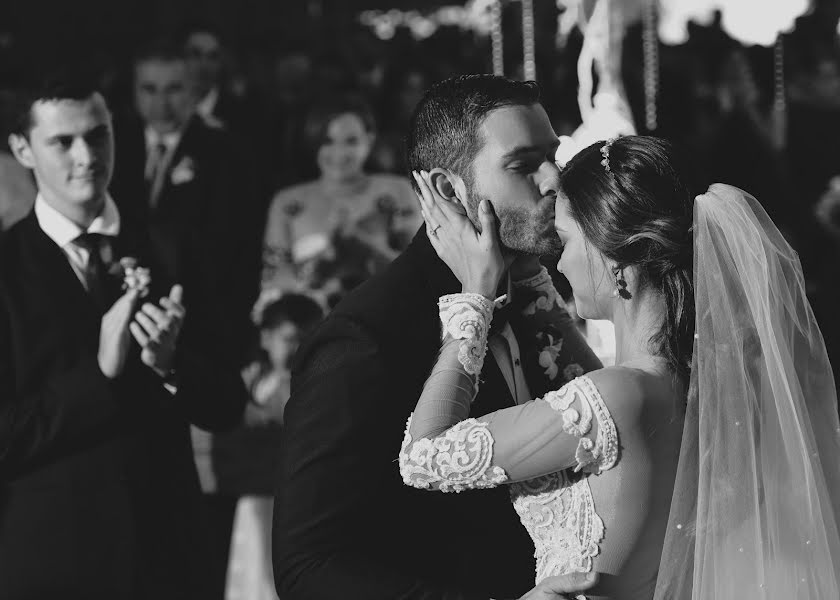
{"type": "Point", "coordinates": [755, 507]}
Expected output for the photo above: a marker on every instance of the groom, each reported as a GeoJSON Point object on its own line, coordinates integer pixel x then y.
{"type": "Point", "coordinates": [98, 489]}
{"type": "Point", "coordinates": [345, 525]}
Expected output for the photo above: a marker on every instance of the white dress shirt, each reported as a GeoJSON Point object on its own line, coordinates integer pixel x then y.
{"type": "Point", "coordinates": [63, 231]}
{"type": "Point", "coordinates": [505, 349]}
{"type": "Point", "coordinates": [153, 140]}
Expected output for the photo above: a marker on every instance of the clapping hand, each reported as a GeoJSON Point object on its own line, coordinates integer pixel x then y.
{"type": "Point", "coordinates": [156, 329]}
{"type": "Point", "coordinates": [114, 339]}
{"type": "Point", "coordinates": [475, 258]}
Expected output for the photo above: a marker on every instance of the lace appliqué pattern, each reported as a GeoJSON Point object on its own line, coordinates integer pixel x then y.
{"type": "Point", "coordinates": [558, 510]}
{"type": "Point", "coordinates": [460, 459]}
{"type": "Point", "coordinates": [559, 514]}
{"type": "Point", "coordinates": [467, 317]}
{"type": "Point", "coordinates": [592, 456]}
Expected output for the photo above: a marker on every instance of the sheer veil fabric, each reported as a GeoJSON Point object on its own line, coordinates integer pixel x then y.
{"type": "Point", "coordinates": [755, 506]}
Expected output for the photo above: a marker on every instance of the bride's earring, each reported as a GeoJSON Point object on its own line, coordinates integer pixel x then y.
{"type": "Point", "coordinates": [620, 285]}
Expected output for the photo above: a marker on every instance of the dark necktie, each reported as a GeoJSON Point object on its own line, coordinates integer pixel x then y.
{"type": "Point", "coordinates": [154, 162]}
{"type": "Point", "coordinates": [155, 170]}
{"type": "Point", "coordinates": [95, 272]}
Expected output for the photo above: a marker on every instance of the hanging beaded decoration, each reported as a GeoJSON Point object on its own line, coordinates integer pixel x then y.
{"type": "Point", "coordinates": [779, 93]}
{"type": "Point", "coordinates": [496, 38]}
{"type": "Point", "coordinates": [650, 50]}
{"type": "Point", "coordinates": [529, 61]}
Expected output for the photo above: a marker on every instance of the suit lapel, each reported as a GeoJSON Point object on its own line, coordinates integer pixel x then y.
{"type": "Point", "coordinates": [181, 152]}
{"type": "Point", "coordinates": [54, 269]}
{"type": "Point", "coordinates": [63, 284]}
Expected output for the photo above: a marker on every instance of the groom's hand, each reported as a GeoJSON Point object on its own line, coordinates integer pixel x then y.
{"type": "Point", "coordinates": [562, 586]}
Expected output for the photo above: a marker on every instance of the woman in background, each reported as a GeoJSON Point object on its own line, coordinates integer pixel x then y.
{"type": "Point", "coordinates": [325, 236]}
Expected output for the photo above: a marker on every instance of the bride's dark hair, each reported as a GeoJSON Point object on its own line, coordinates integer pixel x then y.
{"type": "Point", "coordinates": [639, 213]}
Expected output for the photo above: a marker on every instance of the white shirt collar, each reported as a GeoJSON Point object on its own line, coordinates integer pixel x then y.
{"type": "Point", "coordinates": [62, 230]}
{"type": "Point", "coordinates": [208, 103]}
{"type": "Point", "coordinates": [170, 140]}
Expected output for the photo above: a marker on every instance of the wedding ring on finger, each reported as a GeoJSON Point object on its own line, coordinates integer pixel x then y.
{"type": "Point", "coordinates": [434, 231]}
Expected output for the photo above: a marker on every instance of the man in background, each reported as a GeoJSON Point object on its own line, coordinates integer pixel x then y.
{"type": "Point", "coordinates": [181, 175]}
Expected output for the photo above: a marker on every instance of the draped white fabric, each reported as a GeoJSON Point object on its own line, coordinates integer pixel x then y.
{"type": "Point", "coordinates": [748, 21]}
{"type": "Point", "coordinates": [754, 512]}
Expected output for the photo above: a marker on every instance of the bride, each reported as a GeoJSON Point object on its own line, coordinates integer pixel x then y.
{"type": "Point", "coordinates": [703, 465]}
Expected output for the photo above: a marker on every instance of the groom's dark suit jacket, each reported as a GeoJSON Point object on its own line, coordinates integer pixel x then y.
{"type": "Point", "coordinates": [345, 524]}
{"type": "Point", "coordinates": [97, 482]}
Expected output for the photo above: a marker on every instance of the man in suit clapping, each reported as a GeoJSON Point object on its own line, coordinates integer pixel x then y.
{"type": "Point", "coordinates": [99, 377]}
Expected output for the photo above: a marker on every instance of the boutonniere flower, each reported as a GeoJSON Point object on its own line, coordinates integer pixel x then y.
{"type": "Point", "coordinates": [184, 171]}
{"type": "Point", "coordinates": [134, 277]}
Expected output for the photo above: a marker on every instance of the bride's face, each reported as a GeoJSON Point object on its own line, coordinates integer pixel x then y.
{"type": "Point", "coordinates": [584, 266]}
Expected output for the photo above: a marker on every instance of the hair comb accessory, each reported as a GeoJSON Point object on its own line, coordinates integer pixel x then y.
{"type": "Point", "coordinates": [605, 152]}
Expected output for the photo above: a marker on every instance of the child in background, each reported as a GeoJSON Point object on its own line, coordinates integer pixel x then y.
{"type": "Point", "coordinates": [283, 322]}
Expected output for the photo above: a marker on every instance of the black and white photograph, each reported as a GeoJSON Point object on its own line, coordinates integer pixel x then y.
{"type": "Point", "coordinates": [420, 300]}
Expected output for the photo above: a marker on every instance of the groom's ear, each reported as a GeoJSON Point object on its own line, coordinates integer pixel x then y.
{"type": "Point", "coordinates": [449, 186]}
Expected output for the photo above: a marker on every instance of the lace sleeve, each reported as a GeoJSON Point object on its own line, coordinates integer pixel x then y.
{"type": "Point", "coordinates": [562, 352]}
{"type": "Point", "coordinates": [445, 450]}
{"type": "Point", "coordinates": [452, 452]}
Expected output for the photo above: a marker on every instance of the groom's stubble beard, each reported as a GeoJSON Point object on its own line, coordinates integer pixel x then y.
{"type": "Point", "coordinates": [521, 230]}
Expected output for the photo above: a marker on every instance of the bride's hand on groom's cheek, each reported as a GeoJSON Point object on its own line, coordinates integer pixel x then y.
{"type": "Point", "coordinates": [475, 258]}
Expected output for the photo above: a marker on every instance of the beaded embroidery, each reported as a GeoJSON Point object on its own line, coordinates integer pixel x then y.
{"type": "Point", "coordinates": [559, 514]}
{"type": "Point", "coordinates": [558, 510]}
{"type": "Point", "coordinates": [467, 317]}
{"type": "Point", "coordinates": [592, 457]}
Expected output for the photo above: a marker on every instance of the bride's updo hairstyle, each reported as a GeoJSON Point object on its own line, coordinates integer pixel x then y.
{"type": "Point", "coordinates": [639, 213]}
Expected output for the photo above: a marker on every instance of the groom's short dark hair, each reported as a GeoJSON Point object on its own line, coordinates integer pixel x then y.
{"type": "Point", "coordinates": [443, 130]}
{"type": "Point", "coordinates": [52, 82]}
